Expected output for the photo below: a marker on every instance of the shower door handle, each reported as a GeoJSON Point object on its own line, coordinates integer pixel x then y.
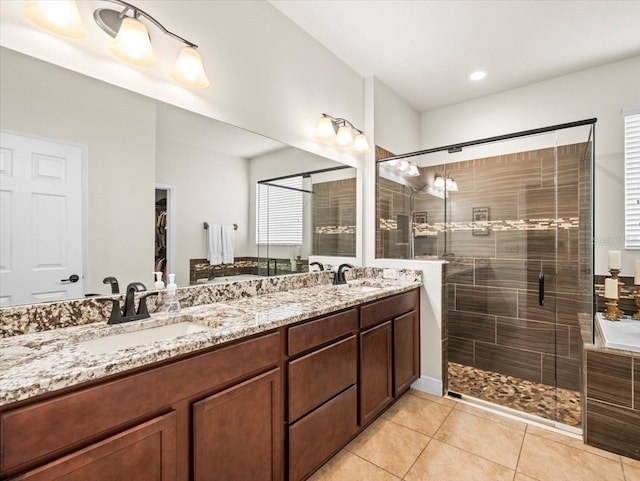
{"type": "Point", "coordinates": [541, 288]}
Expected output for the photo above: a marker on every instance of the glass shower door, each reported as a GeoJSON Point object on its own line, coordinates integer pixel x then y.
{"type": "Point", "coordinates": [513, 238]}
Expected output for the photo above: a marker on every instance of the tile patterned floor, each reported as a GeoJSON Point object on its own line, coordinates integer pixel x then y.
{"type": "Point", "coordinates": [562, 405]}
{"type": "Point", "coordinates": [427, 438]}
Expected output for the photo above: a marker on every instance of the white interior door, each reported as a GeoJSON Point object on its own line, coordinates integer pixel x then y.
{"type": "Point", "coordinates": [41, 247]}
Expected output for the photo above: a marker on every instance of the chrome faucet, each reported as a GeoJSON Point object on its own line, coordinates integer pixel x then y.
{"type": "Point", "coordinates": [339, 278]}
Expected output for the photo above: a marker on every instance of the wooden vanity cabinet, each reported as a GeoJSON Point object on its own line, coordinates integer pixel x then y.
{"type": "Point", "coordinates": [272, 407]}
{"type": "Point", "coordinates": [389, 351]}
{"type": "Point", "coordinates": [237, 433]}
{"type": "Point", "coordinates": [322, 402]}
{"type": "Point", "coordinates": [376, 364]}
{"type": "Point", "coordinates": [406, 351]}
{"type": "Point", "coordinates": [84, 424]}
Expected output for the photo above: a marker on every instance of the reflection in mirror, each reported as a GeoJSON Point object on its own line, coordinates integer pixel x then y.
{"type": "Point", "coordinates": [99, 182]}
{"type": "Point", "coordinates": [305, 215]}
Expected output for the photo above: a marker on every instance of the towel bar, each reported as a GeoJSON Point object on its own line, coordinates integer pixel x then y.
{"type": "Point", "coordinates": [206, 226]}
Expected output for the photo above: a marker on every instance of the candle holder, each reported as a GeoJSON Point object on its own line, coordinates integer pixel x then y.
{"type": "Point", "coordinates": [612, 312]}
{"type": "Point", "coordinates": [636, 296]}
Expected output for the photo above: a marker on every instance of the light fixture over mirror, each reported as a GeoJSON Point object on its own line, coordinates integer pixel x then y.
{"type": "Point", "coordinates": [57, 16]}
{"type": "Point", "coordinates": [131, 43]}
{"type": "Point", "coordinates": [340, 132]}
{"type": "Point", "coordinates": [189, 69]}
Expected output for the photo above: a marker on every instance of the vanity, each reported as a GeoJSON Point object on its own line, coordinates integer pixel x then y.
{"type": "Point", "coordinates": [270, 389]}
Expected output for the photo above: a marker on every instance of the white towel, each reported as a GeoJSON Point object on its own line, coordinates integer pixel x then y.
{"type": "Point", "coordinates": [227, 244]}
{"type": "Point", "coordinates": [214, 244]}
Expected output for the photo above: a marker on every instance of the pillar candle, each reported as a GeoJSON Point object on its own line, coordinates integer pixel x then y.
{"type": "Point", "coordinates": [611, 288]}
{"type": "Point", "coordinates": [637, 279]}
{"type": "Point", "coordinates": [614, 259]}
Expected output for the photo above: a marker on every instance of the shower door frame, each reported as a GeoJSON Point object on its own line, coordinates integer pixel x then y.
{"type": "Point", "coordinates": [453, 148]}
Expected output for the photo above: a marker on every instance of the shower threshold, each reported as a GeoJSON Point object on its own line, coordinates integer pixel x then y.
{"type": "Point", "coordinates": [549, 405]}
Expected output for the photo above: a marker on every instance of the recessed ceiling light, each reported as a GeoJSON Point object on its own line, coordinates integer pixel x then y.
{"type": "Point", "coordinates": [478, 75]}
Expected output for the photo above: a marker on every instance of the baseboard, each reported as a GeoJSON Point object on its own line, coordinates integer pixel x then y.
{"type": "Point", "coordinates": [429, 385]}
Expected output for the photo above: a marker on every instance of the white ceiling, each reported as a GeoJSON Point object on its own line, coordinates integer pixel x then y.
{"type": "Point", "coordinates": [424, 50]}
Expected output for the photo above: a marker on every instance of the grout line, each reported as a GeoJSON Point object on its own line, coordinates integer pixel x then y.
{"type": "Point", "coordinates": [526, 428]}
{"type": "Point", "coordinates": [584, 451]}
{"type": "Point", "coordinates": [417, 457]}
{"type": "Point", "coordinates": [374, 464]}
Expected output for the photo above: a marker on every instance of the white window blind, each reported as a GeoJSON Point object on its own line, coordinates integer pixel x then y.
{"type": "Point", "coordinates": [279, 220]}
{"type": "Point", "coordinates": [632, 180]}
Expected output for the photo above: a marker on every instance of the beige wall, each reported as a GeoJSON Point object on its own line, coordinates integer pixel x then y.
{"type": "Point", "coordinates": [118, 128]}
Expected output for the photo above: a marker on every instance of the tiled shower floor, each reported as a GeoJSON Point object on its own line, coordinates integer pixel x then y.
{"type": "Point", "coordinates": [561, 405]}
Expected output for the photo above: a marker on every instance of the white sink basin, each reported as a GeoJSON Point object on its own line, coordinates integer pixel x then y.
{"type": "Point", "coordinates": [359, 288]}
{"type": "Point", "coordinates": [103, 345]}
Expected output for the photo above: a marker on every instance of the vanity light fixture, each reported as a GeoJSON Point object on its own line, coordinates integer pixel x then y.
{"type": "Point", "coordinates": [441, 181]}
{"type": "Point", "coordinates": [131, 43]}
{"type": "Point", "coordinates": [340, 132]}
{"type": "Point", "coordinates": [58, 16]}
{"type": "Point", "coordinates": [403, 167]}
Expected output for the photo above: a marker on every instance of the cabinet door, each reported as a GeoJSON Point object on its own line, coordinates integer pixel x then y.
{"type": "Point", "coordinates": [375, 371]}
{"type": "Point", "coordinates": [406, 351]}
{"type": "Point", "coordinates": [238, 432]}
{"type": "Point", "coordinates": [146, 452]}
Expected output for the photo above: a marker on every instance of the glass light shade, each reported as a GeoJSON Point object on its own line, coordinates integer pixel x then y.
{"type": "Point", "coordinates": [403, 166]}
{"type": "Point", "coordinates": [393, 163]}
{"type": "Point", "coordinates": [58, 16]}
{"type": "Point", "coordinates": [189, 69]}
{"type": "Point", "coordinates": [360, 144]}
{"type": "Point", "coordinates": [439, 182]}
{"type": "Point", "coordinates": [132, 44]}
{"type": "Point", "coordinates": [325, 130]}
{"type": "Point", "coordinates": [413, 170]}
{"type": "Point", "coordinates": [452, 185]}
{"type": "Point", "coordinates": [344, 137]}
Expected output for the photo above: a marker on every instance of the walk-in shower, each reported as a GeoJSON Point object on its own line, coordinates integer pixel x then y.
{"type": "Point", "coordinates": [512, 216]}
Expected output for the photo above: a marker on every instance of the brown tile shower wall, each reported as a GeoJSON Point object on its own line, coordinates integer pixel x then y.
{"type": "Point", "coordinates": [334, 218]}
{"type": "Point", "coordinates": [201, 269]}
{"type": "Point", "coordinates": [612, 417]}
{"type": "Point", "coordinates": [493, 318]}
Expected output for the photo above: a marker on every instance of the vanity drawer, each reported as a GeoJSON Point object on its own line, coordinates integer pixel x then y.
{"type": "Point", "coordinates": [389, 308]}
{"type": "Point", "coordinates": [41, 431]}
{"type": "Point", "coordinates": [315, 333]}
{"type": "Point", "coordinates": [318, 376]}
{"type": "Point", "coordinates": [320, 434]}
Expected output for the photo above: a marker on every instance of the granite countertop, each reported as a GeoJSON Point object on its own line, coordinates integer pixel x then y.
{"type": "Point", "coordinates": [33, 364]}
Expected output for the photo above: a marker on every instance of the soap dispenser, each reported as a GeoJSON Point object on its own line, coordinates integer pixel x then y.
{"type": "Point", "coordinates": [158, 284]}
{"type": "Point", "coordinates": [171, 303]}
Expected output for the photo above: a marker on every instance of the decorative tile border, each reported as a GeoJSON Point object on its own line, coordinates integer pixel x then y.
{"type": "Point", "coordinates": [427, 229]}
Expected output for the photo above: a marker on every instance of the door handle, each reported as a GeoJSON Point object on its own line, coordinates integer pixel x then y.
{"type": "Point", "coordinates": [541, 288]}
{"type": "Point", "coordinates": [72, 278]}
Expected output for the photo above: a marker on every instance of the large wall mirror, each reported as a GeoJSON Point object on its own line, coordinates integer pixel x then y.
{"type": "Point", "coordinates": [100, 182]}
